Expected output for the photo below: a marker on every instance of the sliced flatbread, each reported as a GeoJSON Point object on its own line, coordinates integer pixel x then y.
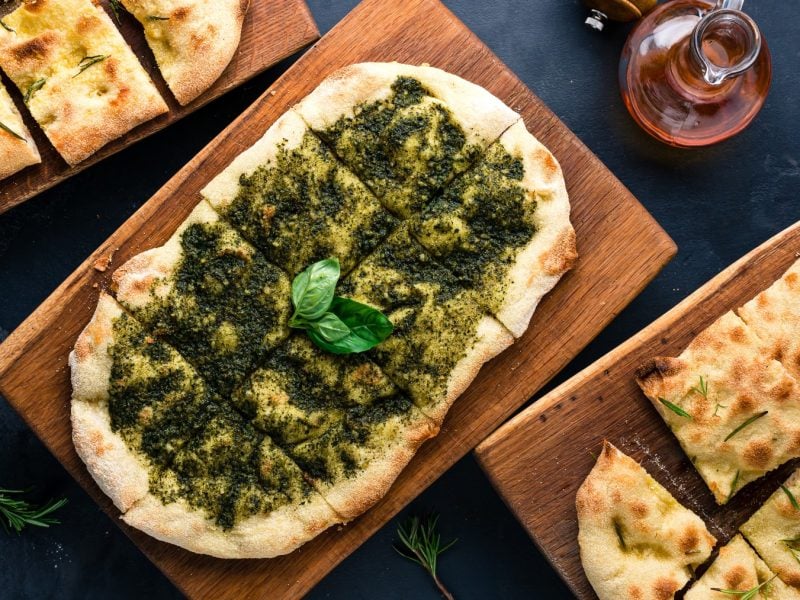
{"type": "Point", "coordinates": [774, 531]}
{"type": "Point", "coordinates": [441, 335]}
{"type": "Point", "coordinates": [339, 418]}
{"type": "Point", "coordinates": [736, 572]}
{"type": "Point", "coordinates": [293, 200]}
{"type": "Point", "coordinates": [636, 541]}
{"type": "Point", "coordinates": [405, 130]}
{"type": "Point", "coordinates": [504, 227]}
{"type": "Point", "coordinates": [775, 317]}
{"type": "Point", "coordinates": [17, 148]}
{"type": "Point", "coordinates": [735, 411]}
{"type": "Point", "coordinates": [192, 40]}
{"type": "Point", "coordinates": [210, 294]}
{"type": "Point", "coordinates": [181, 466]}
{"type": "Point", "coordinates": [81, 81]}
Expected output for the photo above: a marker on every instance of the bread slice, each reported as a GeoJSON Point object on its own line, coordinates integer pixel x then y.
{"type": "Point", "coordinates": [211, 295]}
{"type": "Point", "coordinates": [81, 81]}
{"type": "Point", "coordinates": [736, 572]}
{"type": "Point", "coordinates": [774, 315]}
{"type": "Point", "coordinates": [636, 541]}
{"type": "Point", "coordinates": [296, 202]}
{"type": "Point", "coordinates": [193, 40]}
{"type": "Point", "coordinates": [503, 226]}
{"type": "Point", "coordinates": [774, 531]}
{"type": "Point", "coordinates": [17, 148]}
{"type": "Point", "coordinates": [160, 446]}
{"type": "Point", "coordinates": [339, 418]}
{"type": "Point", "coordinates": [735, 411]}
{"type": "Point", "coordinates": [405, 130]}
{"type": "Point", "coordinates": [442, 336]}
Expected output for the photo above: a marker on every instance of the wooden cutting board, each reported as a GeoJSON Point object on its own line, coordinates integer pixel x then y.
{"type": "Point", "coordinates": [539, 480]}
{"type": "Point", "coordinates": [272, 30]}
{"type": "Point", "coordinates": [621, 246]}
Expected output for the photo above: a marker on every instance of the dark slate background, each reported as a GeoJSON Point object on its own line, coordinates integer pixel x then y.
{"type": "Point", "coordinates": [716, 203]}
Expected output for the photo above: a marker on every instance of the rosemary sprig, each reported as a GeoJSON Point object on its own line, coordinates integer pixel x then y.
{"type": "Point", "coordinates": [6, 27]}
{"type": "Point", "coordinates": [749, 421]}
{"type": "Point", "coordinates": [156, 18]}
{"type": "Point", "coordinates": [115, 8]}
{"type": "Point", "coordinates": [88, 61]}
{"type": "Point", "coordinates": [423, 545]}
{"type": "Point", "coordinates": [734, 483]}
{"type": "Point", "coordinates": [18, 513]}
{"type": "Point", "coordinates": [701, 388]}
{"type": "Point", "coordinates": [620, 535]}
{"type": "Point", "coordinates": [8, 129]}
{"type": "Point", "coordinates": [33, 88]}
{"type": "Point", "coordinates": [793, 544]}
{"type": "Point", "coordinates": [675, 408]}
{"type": "Point", "coordinates": [791, 497]}
{"type": "Point", "coordinates": [745, 594]}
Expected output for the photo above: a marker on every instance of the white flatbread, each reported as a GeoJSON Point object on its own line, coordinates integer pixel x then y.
{"type": "Point", "coordinates": [636, 541]}
{"type": "Point", "coordinates": [17, 148]}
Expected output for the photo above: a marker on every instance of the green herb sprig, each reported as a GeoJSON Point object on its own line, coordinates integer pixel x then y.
{"type": "Point", "coordinates": [675, 408]}
{"type": "Point", "coordinates": [749, 421]}
{"type": "Point", "coordinates": [157, 18]}
{"type": "Point", "coordinates": [422, 544]}
{"type": "Point", "coordinates": [17, 513]}
{"type": "Point", "coordinates": [6, 27]}
{"type": "Point", "coordinates": [734, 483]}
{"type": "Point", "coordinates": [116, 5]}
{"type": "Point", "coordinates": [701, 388]}
{"type": "Point", "coordinates": [791, 497]}
{"type": "Point", "coordinates": [88, 61]}
{"type": "Point", "coordinates": [8, 129]}
{"type": "Point", "coordinates": [33, 88]}
{"type": "Point", "coordinates": [335, 324]}
{"type": "Point", "coordinates": [745, 594]}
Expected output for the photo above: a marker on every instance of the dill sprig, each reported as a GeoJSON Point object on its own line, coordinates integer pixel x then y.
{"type": "Point", "coordinates": [18, 513]}
{"type": "Point", "coordinates": [749, 421]}
{"type": "Point", "coordinates": [8, 129]}
{"type": "Point", "coordinates": [88, 61]}
{"type": "Point", "coordinates": [675, 408]}
{"type": "Point", "coordinates": [423, 545]}
{"type": "Point", "coordinates": [745, 594]}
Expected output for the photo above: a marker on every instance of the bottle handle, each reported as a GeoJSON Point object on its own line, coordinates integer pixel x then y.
{"type": "Point", "coordinates": [738, 24]}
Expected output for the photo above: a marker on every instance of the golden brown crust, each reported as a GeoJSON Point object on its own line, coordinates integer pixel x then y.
{"type": "Point", "coordinates": [745, 392]}
{"type": "Point", "coordinates": [636, 541]}
{"type": "Point", "coordinates": [80, 109]}
{"type": "Point", "coordinates": [15, 153]}
{"type": "Point", "coordinates": [193, 40]}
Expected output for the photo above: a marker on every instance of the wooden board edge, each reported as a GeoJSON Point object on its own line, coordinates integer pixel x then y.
{"type": "Point", "coordinates": [553, 397]}
{"type": "Point", "coordinates": [311, 34]}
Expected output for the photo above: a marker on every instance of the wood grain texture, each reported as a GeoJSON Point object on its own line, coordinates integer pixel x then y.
{"type": "Point", "coordinates": [539, 481]}
{"type": "Point", "coordinates": [272, 30]}
{"type": "Point", "coordinates": [621, 246]}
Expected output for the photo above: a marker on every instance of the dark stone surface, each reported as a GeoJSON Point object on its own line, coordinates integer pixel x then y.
{"type": "Point", "coordinates": [717, 204]}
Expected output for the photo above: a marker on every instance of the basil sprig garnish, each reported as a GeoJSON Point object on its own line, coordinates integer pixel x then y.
{"type": "Point", "coordinates": [335, 324]}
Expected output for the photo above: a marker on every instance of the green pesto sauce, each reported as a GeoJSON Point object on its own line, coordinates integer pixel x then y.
{"type": "Point", "coordinates": [335, 406]}
{"type": "Point", "coordinates": [307, 207]}
{"type": "Point", "coordinates": [477, 227]}
{"type": "Point", "coordinates": [405, 147]}
{"type": "Point", "coordinates": [227, 307]}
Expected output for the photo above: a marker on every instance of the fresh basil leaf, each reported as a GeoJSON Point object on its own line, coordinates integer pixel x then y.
{"type": "Point", "coordinates": [368, 327]}
{"type": "Point", "coordinates": [330, 327]}
{"type": "Point", "coordinates": [313, 289]}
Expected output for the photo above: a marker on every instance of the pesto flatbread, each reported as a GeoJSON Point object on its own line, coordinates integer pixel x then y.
{"type": "Point", "coordinates": [339, 418]}
{"type": "Point", "coordinates": [774, 531]}
{"type": "Point", "coordinates": [211, 295]}
{"type": "Point", "coordinates": [441, 335]}
{"type": "Point", "coordinates": [735, 411]}
{"type": "Point", "coordinates": [405, 130]}
{"type": "Point", "coordinates": [739, 569]}
{"type": "Point", "coordinates": [636, 541]}
{"type": "Point", "coordinates": [504, 227]}
{"type": "Point", "coordinates": [81, 81]}
{"type": "Point", "coordinates": [192, 40]}
{"type": "Point", "coordinates": [179, 464]}
{"type": "Point", "coordinates": [774, 315]}
{"type": "Point", "coordinates": [292, 198]}
{"type": "Point", "coordinates": [17, 148]}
